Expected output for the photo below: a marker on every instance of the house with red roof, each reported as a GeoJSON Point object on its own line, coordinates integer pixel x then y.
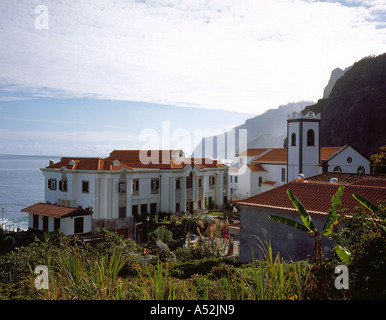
{"type": "Point", "coordinates": [111, 191]}
{"type": "Point", "coordinates": [315, 194]}
{"type": "Point", "coordinates": [262, 169]}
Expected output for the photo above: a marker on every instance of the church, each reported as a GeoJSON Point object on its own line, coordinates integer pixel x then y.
{"type": "Point", "coordinates": [263, 169]}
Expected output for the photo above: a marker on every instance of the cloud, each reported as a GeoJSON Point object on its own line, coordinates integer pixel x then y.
{"type": "Point", "coordinates": [235, 55]}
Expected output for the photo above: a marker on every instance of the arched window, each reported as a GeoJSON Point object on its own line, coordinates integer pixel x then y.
{"type": "Point", "coordinates": [361, 170]}
{"type": "Point", "coordinates": [337, 169]}
{"type": "Point", "coordinates": [310, 137]}
{"type": "Point", "coordinates": [293, 139]}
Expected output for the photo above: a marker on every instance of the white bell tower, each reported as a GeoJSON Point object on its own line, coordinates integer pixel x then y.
{"type": "Point", "coordinates": [303, 150]}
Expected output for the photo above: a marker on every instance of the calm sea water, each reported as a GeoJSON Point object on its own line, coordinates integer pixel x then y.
{"type": "Point", "coordinates": [21, 185]}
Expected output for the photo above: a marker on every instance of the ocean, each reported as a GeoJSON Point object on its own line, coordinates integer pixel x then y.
{"type": "Point", "coordinates": [21, 185]}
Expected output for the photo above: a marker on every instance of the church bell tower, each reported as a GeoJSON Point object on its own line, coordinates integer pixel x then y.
{"type": "Point", "coordinates": [303, 150]}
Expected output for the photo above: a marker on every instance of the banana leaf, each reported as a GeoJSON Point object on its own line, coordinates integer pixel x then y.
{"type": "Point", "coordinates": [306, 218]}
{"type": "Point", "coordinates": [331, 220]}
{"type": "Point", "coordinates": [290, 222]}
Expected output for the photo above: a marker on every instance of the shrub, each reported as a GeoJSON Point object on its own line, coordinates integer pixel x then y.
{"type": "Point", "coordinates": [162, 234]}
{"type": "Point", "coordinates": [368, 267]}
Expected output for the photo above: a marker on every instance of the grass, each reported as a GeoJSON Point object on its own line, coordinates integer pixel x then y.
{"type": "Point", "coordinates": [115, 270]}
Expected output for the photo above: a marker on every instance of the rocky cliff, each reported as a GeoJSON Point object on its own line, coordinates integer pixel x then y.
{"type": "Point", "coordinates": [355, 110]}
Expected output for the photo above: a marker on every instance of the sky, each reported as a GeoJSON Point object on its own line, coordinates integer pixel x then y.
{"type": "Point", "coordinates": [86, 77]}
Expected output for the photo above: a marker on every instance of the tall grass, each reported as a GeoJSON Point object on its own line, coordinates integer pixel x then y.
{"type": "Point", "coordinates": [269, 278]}
{"type": "Point", "coordinates": [74, 275]}
{"type": "Point", "coordinates": [78, 274]}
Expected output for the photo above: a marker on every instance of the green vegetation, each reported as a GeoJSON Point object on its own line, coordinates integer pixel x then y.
{"type": "Point", "coordinates": [118, 268]}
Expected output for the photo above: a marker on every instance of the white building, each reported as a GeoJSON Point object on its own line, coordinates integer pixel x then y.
{"type": "Point", "coordinates": [134, 182]}
{"type": "Point", "coordinates": [263, 169]}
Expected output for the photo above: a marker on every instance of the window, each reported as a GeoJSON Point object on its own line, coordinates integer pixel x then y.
{"type": "Point", "coordinates": [56, 224]}
{"type": "Point", "coordinates": [35, 221]}
{"type": "Point", "coordinates": [63, 185]}
{"type": "Point", "coordinates": [231, 178]}
{"type": "Point", "coordinates": [337, 169]}
{"type": "Point", "coordinates": [122, 187]}
{"type": "Point", "coordinates": [236, 179]}
{"type": "Point", "coordinates": [178, 184]}
{"type": "Point", "coordinates": [134, 210]}
{"type": "Point", "coordinates": [153, 208]}
{"type": "Point", "coordinates": [155, 183]}
{"type": "Point", "coordinates": [211, 182]}
{"type": "Point", "coordinates": [293, 139]}
{"type": "Point", "coordinates": [52, 184]}
{"type": "Point", "coordinates": [199, 183]}
{"type": "Point", "coordinates": [189, 181]}
{"type": "Point", "coordinates": [122, 212]}
{"type": "Point", "coordinates": [310, 138]}
{"type": "Point", "coordinates": [178, 207]}
{"type": "Point", "coordinates": [143, 209]}
{"type": "Point", "coordinates": [85, 186]}
{"type": "Point", "coordinates": [283, 174]}
{"type": "Point", "coordinates": [349, 159]}
{"type": "Point", "coordinates": [45, 223]}
{"type": "Point", "coordinates": [361, 170]}
{"type": "Point", "coordinates": [260, 181]}
{"type": "Point", "coordinates": [135, 186]}
{"type": "Point", "coordinates": [78, 225]}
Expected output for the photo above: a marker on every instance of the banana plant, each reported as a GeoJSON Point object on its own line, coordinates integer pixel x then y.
{"type": "Point", "coordinates": [380, 216]}
{"type": "Point", "coordinates": [308, 226]}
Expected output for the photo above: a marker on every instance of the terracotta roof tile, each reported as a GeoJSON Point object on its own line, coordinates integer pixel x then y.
{"type": "Point", "coordinates": [130, 159]}
{"type": "Point", "coordinates": [87, 164]}
{"type": "Point", "coordinates": [344, 178]}
{"type": "Point", "coordinates": [55, 211]}
{"type": "Point", "coordinates": [327, 152]}
{"type": "Point", "coordinates": [377, 183]}
{"type": "Point", "coordinates": [279, 155]}
{"type": "Point", "coordinates": [316, 198]}
{"type": "Point", "coordinates": [276, 155]}
{"type": "Point", "coordinates": [256, 168]}
{"type": "Point", "coordinates": [253, 152]}
{"type": "Point", "coordinates": [269, 182]}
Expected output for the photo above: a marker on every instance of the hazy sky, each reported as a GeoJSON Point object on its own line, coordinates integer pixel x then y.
{"type": "Point", "coordinates": [62, 63]}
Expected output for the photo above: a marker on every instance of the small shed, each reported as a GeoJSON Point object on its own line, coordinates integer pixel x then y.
{"type": "Point", "coordinates": [50, 217]}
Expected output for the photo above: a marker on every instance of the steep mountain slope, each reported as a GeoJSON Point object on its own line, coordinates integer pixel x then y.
{"type": "Point", "coordinates": [335, 75]}
{"type": "Point", "coordinates": [355, 111]}
{"type": "Point", "coordinates": [265, 130]}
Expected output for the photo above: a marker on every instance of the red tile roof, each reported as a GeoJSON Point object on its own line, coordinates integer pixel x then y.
{"type": "Point", "coordinates": [87, 164]}
{"type": "Point", "coordinates": [279, 155]}
{"type": "Point", "coordinates": [276, 155]}
{"type": "Point", "coordinates": [316, 198]}
{"type": "Point", "coordinates": [345, 178]}
{"type": "Point", "coordinates": [269, 182]}
{"type": "Point", "coordinates": [256, 167]}
{"type": "Point", "coordinates": [55, 211]}
{"type": "Point", "coordinates": [130, 159]}
{"type": "Point", "coordinates": [327, 152]}
{"type": "Point", "coordinates": [377, 183]}
{"type": "Point", "coordinates": [253, 152]}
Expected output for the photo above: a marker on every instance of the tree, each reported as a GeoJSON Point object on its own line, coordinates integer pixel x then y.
{"type": "Point", "coordinates": [308, 226]}
{"type": "Point", "coordinates": [379, 161]}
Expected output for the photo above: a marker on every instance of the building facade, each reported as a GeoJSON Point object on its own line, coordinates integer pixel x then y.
{"type": "Point", "coordinates": [315, 196]}
{"type": "Point", "coordinates": [273, 167]}
{"type": "Point", "coordinates": [135, 182]}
